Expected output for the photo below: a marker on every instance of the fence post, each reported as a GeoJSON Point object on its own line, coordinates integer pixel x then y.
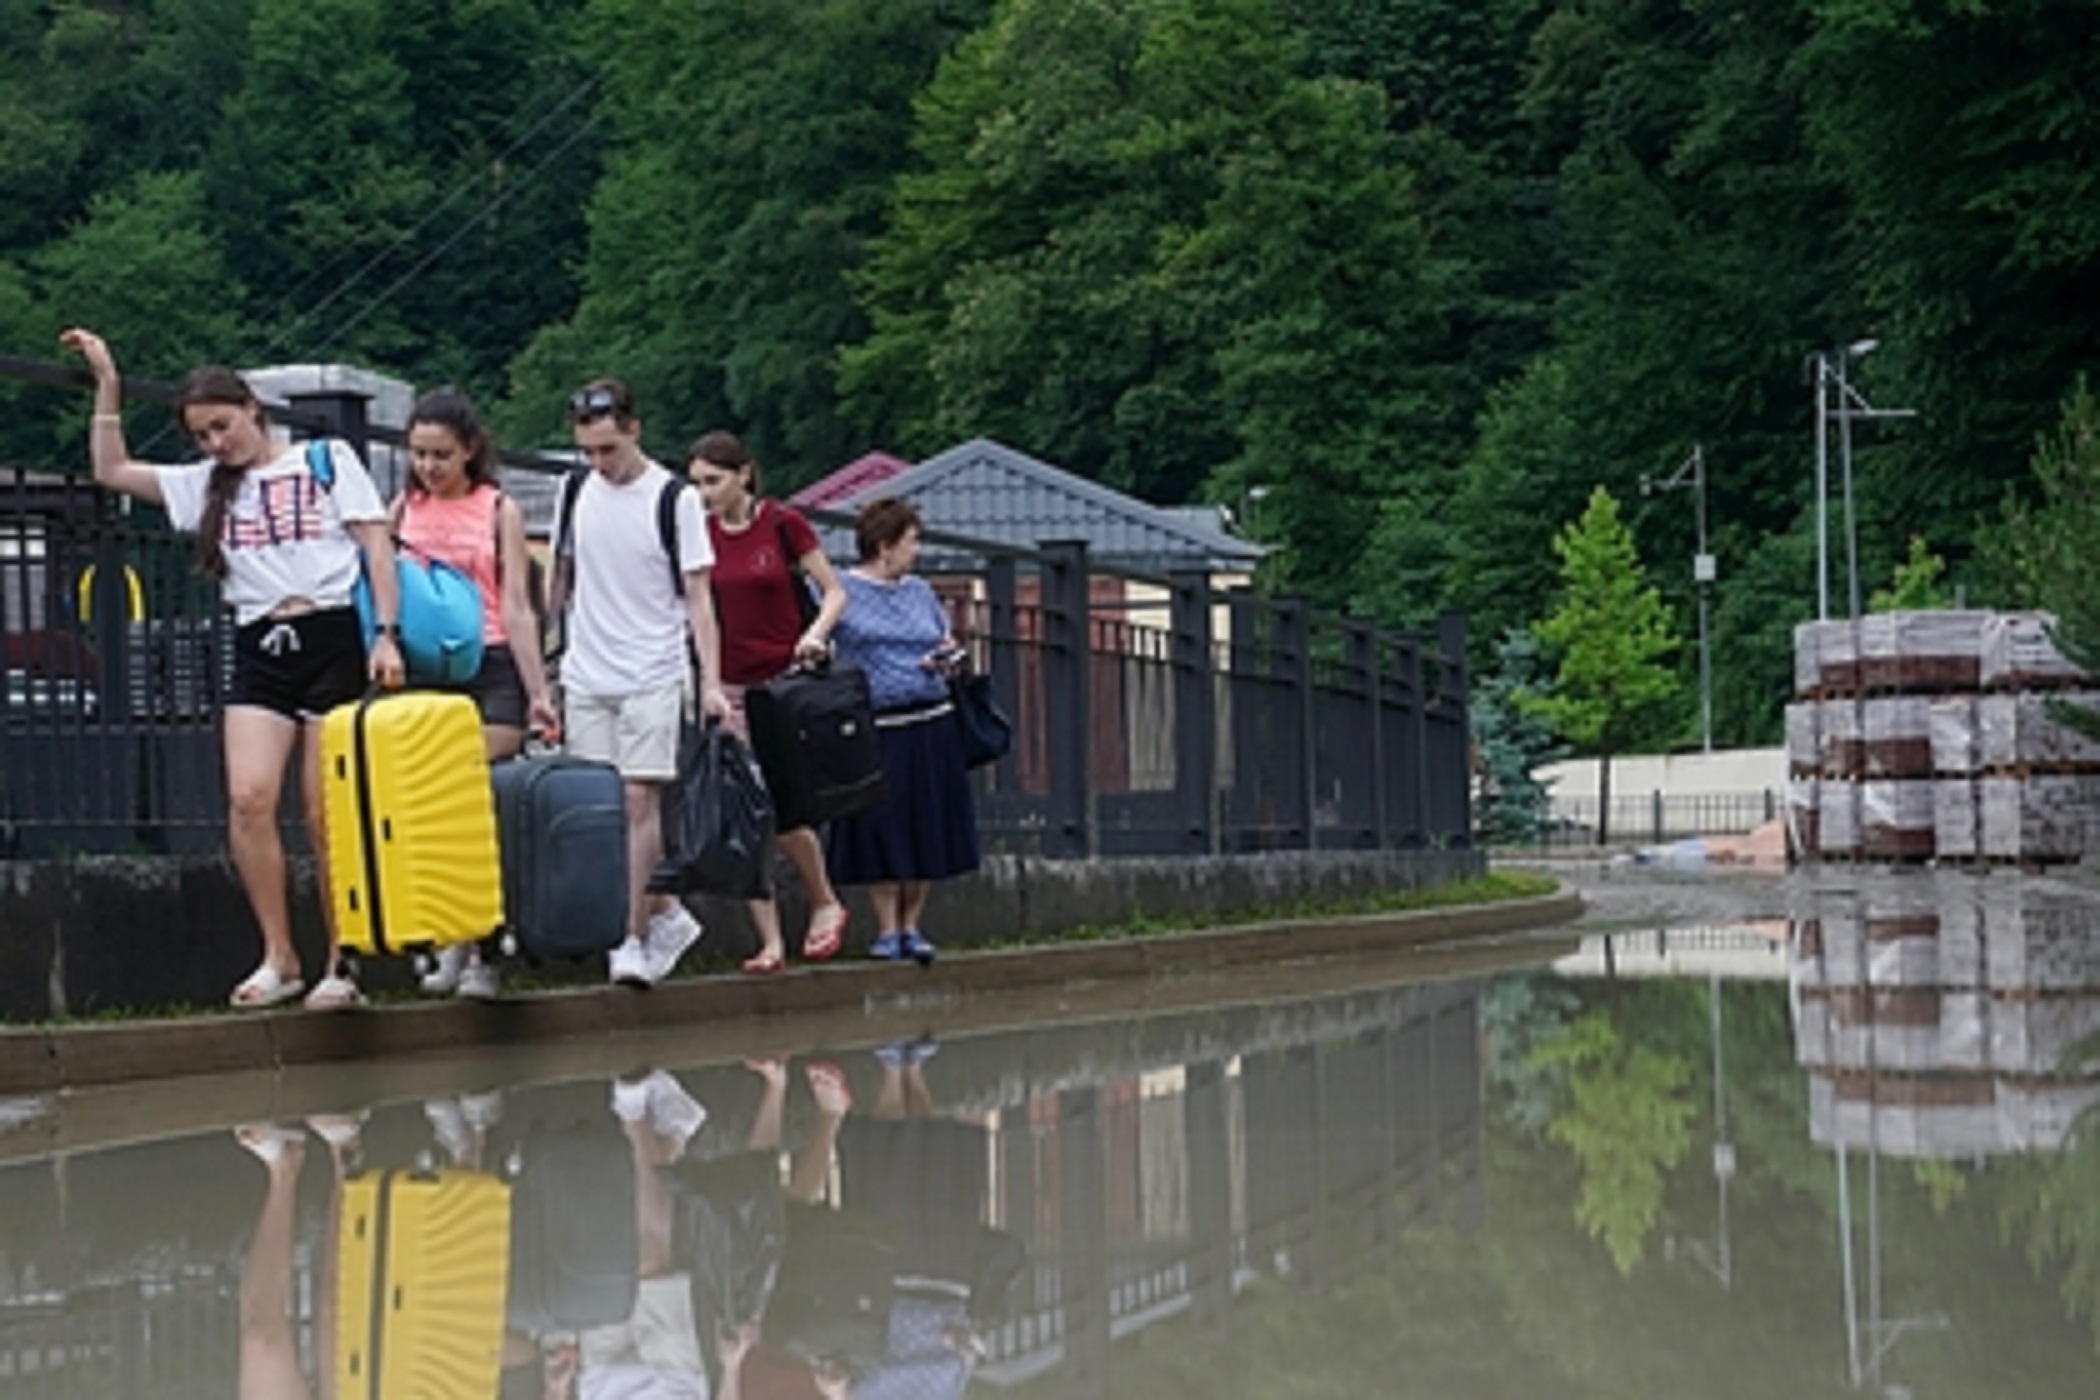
{"type": "Point", "coordinates": [1003, 653]}
{"type": "Point", "coordinates": [1068, 698]}
{"type": "Point", "coordinates": [109, 614]}
{"type": "Point", "coordinates": [1455, 685]}
{"type": "Point", "coordinates": [1195, 712]}
{"type": "Point", "coordinates": [342, 413]}
{"type": "Point", "coordinates": [1360, 639]}
{"type": "Point", "coordinates": [1414, 742]}
{"type": "Point", "coordinates": [1291, 658]}
{"type": "Point", "coordinates": [1655, 811]}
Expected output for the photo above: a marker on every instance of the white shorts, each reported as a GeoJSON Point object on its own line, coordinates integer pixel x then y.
{"type": "Point", "coordinates": [659, 1334]}
{"type": "Point", "coordinates": [637, 734]}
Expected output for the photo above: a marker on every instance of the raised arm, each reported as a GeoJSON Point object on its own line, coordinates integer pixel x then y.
{"type": "Point", "coordinates": [113, 465]}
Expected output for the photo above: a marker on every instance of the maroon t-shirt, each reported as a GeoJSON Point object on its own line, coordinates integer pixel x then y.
{"type": "Point", "coordinates": [754, 588]}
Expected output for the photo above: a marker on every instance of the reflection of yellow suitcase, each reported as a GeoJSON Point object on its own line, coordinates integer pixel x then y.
{"type": "Point", "coordinates": [422, 1260]}
{"type": "Point", "coordinates": [411, 823]}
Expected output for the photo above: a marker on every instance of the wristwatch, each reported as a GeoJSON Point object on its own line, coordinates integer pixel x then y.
{"type": "Point", "coordinates": [387, 629]}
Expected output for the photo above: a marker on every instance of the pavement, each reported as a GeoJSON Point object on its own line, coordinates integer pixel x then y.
{"type": "Point", "coordinates": [1152, 970]}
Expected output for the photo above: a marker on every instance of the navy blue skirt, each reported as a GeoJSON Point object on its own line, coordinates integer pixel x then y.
{"type": "Point", "coordinates": [926, 825]}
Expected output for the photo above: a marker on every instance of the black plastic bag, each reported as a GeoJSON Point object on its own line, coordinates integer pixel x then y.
{"type": "Point", "coordinates": [717, 821]}
{"type": "Point", "coordinates": [987, 732]}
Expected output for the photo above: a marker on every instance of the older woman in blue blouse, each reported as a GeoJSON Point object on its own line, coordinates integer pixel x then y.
{"type": "Point", "coordinates": [896, 630]}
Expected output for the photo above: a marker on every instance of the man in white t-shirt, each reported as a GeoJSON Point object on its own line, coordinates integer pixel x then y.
{"type": "Point", "coordinates": [625, 674]}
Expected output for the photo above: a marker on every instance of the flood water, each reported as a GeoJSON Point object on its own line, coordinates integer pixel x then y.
{"type": "Point", "coordinates": [1832, 1143]}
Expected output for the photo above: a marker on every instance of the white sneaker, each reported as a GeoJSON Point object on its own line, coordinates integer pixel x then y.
{"type": "Point", "coordinates": [445, 965]}
{"type": "Point", "coordinates": [449, 1124]}
{"type": "Point", "coordinates": [673, 1113]}
{"type": "Point", "coordinates": [629, 962]}
{"type": "Point", "coordinates": [670, 934]}
{"type": "Point", "coordinates": [480, 980]}
{"type": "Point", "coordinates": [482, 1111]}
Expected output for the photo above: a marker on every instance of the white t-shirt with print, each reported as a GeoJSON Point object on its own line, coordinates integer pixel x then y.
{"type": "Point", "coordinates": [284, 535]}
{"type": "Point", "coordinates": [626, 623]}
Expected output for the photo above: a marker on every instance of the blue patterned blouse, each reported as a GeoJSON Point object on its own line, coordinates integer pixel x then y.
{"type": "Point", "coordinates": [887, 630]}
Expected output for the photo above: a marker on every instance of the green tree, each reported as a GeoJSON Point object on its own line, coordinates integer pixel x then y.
{"type": "Point", "coordinates": [1144, 244]}
{"type": "Point", "coordinates": [130, 268]}
{"type": "Point", "coordinates": [1513, 744]}
{"type": "Point", "coordinates": [2042, 549]}
{"type": "Point", "coordinates": [1609, 634]}
{"type": "Point", "coordinates": [133, 268]}
{"type": "Point", "coordinates": [313, 173]}
{"type": "Point", "coordinates": [1959, 137]}
{"type": "Point", "coordinates": [1916, 585]}
{"type": "Point", "coordinates": [750, 151]}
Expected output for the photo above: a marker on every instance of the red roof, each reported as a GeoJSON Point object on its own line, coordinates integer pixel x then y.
{"type": "Point", "coordinates": [852, 481]}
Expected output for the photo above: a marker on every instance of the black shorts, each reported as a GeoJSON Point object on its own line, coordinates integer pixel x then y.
{"type": "Point", "coordinates": [497, 690]}
{"type": "Point", "coordinates": [299, 667]}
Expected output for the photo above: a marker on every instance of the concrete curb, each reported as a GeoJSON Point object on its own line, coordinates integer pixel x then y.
{"type": "Point", "coordinates": [62, 1057]}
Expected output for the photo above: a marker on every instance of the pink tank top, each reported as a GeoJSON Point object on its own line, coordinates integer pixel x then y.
{"type": "Point", "coordinates": [462, 532]}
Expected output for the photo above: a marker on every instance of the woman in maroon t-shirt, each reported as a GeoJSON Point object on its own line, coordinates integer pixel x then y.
{"type": "Point", "coordinates": [758, 546]}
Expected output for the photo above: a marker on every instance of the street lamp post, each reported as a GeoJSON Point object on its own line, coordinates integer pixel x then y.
{"type": "Point", "coordinates": [1692, 472]}
{"type": "Point", "coordinates": [1836, 398]}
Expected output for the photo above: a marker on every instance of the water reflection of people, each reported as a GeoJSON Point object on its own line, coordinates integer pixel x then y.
{"type": "Point", "coordinates": [928, 1174]}
{"type": "Point", "coordinates": [656, 1351]}
{"type": "Point", "coordinates": [269, 1346]}
{"type": "Point", "coordinates": [875, 1295]}
{"type": "Point", "coordinates": [269, 1352]}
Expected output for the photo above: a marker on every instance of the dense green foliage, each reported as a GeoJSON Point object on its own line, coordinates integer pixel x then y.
{"type": "Point", "coordinates": [2044, 549]}
{"type": "Point", "coordinates": [1423, 271]}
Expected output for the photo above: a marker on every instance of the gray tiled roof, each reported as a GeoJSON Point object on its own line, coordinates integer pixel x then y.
{"type": "Point", "coordinates": [986, 490]}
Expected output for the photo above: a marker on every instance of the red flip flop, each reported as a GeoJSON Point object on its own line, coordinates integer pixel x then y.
{"type": "Point", "coordinates": [765, 965]}
{"type": "Point", "coordinates": [824, 940]}
{"type": "Point", "coordinates": [827, 1080]}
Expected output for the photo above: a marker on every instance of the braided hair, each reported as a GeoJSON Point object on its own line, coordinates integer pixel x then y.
{"type": "Point", "coordinates": [216, 384]}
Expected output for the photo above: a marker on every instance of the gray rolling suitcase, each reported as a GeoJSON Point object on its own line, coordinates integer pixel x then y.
{"type": "Point", "coordinates": [562, 826]}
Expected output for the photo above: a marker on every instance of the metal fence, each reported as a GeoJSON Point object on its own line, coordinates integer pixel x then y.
{"type": "Point", "coordinates": [1656, 817]}
{"type": "Point", "coordinates": [1155, 714]}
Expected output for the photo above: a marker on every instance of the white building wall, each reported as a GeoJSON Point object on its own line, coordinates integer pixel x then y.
{"type": "Point", "coordinates": [1673, 775]}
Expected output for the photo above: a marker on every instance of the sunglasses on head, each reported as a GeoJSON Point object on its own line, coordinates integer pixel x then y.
{"type": "Point", "coordinates": [595, 401]}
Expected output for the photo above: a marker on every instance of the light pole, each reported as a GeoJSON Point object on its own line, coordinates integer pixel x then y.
{"type": "Point", "coordinates": [1836, 398]}
{"type": "Point", "coordinates": [1692, 472]}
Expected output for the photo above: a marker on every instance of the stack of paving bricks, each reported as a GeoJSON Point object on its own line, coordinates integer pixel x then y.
{"type": "Point", "coordinates": [1941, 1016]}
{"type": "Point", "coordinates": [1933, 735]}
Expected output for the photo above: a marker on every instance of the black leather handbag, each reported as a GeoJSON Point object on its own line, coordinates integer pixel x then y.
{"type": "Point", "coordinates": [987, 731]}
{"type": "Point", "coordinates": [814, 731]}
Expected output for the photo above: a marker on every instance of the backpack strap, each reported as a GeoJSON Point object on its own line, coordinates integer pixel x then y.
{"type": "Point", "coordinates": [561, 577]}
{"type": "Point", "coordinates": [667, 526]}
{"type": "Point", "coordinates": [806, 606]}
{"type": "Point", "coordinates": [320, 461]}
{"type": "Point", "coordinates": [666, 529]}
{"type": "Point", "coordinates": [565, 537]}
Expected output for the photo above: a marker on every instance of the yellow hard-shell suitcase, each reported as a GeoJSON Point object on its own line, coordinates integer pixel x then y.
{"type": "Point", "coordinates": [410, 823]}
{"type": "Point", "coordinates": [422, 1263]}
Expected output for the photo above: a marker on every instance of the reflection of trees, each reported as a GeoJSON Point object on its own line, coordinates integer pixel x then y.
{"type": "Point", "coordinates": [1432, 1327]}
{"type": "Point", "coordinates": [1628, 1120]}
{"type": "Point", "coordinates": [1516, 1014]}
{"type": "Point", "coordinates": [1528, 1304]}
{"type": "Point", "coordinates": [2050, 1206]}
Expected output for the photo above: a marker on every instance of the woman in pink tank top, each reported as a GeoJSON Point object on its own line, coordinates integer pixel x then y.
{"type": "Point", "coordinates": [453, 510]}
